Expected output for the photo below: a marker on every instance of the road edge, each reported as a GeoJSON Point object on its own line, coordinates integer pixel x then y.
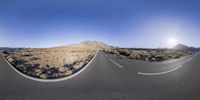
{"type": "Point", "coordinates": [50, 80]}
{"type": "Point", "coordinates": [168, 71]}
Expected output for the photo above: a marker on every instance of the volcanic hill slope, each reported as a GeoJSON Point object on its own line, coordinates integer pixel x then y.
{"type": "Point", "coordinates": [186, 48]}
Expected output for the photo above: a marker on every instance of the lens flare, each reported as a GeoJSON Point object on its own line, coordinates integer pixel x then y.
{"type": "Point", "coordinates": [171, 42]}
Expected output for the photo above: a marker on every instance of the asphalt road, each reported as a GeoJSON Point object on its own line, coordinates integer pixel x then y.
{"type": "Point", "coordinates": [111, 78]}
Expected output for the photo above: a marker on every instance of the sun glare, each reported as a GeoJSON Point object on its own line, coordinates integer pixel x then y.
{"type": "Point", "coordinates": [171, 42]}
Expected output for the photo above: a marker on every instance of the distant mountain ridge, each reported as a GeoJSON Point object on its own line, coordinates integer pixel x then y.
{"type": "Point", "coordinates": [9, 48]}
{"type": "Point", "coordinates": [96, 44]}
{"type": "Point", "coordinates": [91, 44]}
{"type": "Point", "coordinates": [186, 48]}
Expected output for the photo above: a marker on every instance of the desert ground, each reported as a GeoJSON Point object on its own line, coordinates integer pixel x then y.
{"type": "Point", "coordinates": [62, 61]}
{"type": "Point", "coordinates": [149, 54]}
{"type": "Point", "coordinates": [50, 63]}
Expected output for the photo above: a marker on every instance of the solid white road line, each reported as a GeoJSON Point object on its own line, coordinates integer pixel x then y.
{"type": "Point", "coordinates": [159, 73]}
{"type": "Point", "coordinates": [116, 63]}
{"type": "Point", "coordinates": [51, 80]}
{"type": "Point", "coordinates": [189, 60]}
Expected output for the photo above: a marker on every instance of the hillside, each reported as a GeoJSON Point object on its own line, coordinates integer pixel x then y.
{"type": "Point", "coordinates": [8, 48]}
{"type": "Point", "coordinates": [61, 61]}
{"type": "Point", "coordinates": [54, 62]}
{"type": "Point", "coordinates": [186, 48]}
{"type": "Point", "coordinates": [95, 45]}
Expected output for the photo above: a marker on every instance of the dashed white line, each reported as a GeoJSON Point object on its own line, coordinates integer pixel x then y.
{"type": "Point", "coordinates": [159, 73]}
{"type": "Point", "coordinates": [116, 63]}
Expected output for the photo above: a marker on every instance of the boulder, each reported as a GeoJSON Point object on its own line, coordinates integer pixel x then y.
{"type": "Point", "coordinates": [44, 76]}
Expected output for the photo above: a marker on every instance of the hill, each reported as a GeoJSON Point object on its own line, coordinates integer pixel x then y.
{"type": "Point", "coordinates": [97, 45]}
{"type": "Point", "coordinates": [186, 48]}
{"type": "Point", "coordinates": [10, 49]}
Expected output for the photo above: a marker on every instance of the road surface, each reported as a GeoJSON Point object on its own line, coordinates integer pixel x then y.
{"type": "Point", "coordinates": [111, 78]}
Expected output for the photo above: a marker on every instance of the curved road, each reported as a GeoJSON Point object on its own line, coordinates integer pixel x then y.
{"type": "Point", "coordinates": [111, 78]}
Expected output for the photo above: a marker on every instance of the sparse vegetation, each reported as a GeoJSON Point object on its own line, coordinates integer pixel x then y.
{"type": "Point", "coordinates": [11, 60]}
{"type": "Point", "coordinates": [124, 52]}
{"type": "Point", "coordinates": [58, 62]}
{"type": "Point", "coordinates": [115, 52]}
{"type": "Point", "coordinates": [5, 52]}
{"type": "Point", "coordinates": [27, 54]}
{"type": "Point", "coordinates": [149, 54]}
{"type": "Point", "coordinates": [51, 63]}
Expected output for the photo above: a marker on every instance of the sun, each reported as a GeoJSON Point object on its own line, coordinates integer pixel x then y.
{"type": "Point", "coordinates": [171, 42]}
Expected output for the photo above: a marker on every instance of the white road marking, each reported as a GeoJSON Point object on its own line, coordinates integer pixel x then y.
{"type": "Point", "coordinates": [159, 73]}
{"type": "Point", "coordinates": [116, 63]}
{"type": "Point", "coordinates": [189, 60]}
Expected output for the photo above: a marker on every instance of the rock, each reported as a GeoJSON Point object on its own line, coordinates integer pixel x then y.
{"type": "Point", "coordinates": [153, 59]}
{"type": "Point", "coordinates": [79, 65]}
{"type": "Point", "coordinates": [38, 72]}
{"type": "Point", "coordinates": [69, 72]}
{"type": "Point", "coordinates": [49, 72]}
{"type": "Point", "coordinates": [55, 75]}
{"type": "Point", "coordinates": [146, 59]}
{"type": "Point", "coordinates": [71, 66]}
{"type": "Point", "coordinates": [11, 60]}
{"type": "Point", "coordinates": [62, 69]}
{"type": "Point", "coordinates": [19, 66]}
{"type": "Point", "coordinates": [30, 73]}
{"type": "Point", "coordinates": [43, 76]}
{"type": "Point", "coordinates": [40, 66]}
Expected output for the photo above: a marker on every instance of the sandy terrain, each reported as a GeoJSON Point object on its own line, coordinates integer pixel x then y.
{"type": "Point", "coordinates": [55, 62]}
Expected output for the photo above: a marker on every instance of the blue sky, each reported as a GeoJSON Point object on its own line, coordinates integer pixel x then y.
{"type": "Point", "coordinates": [125, 23]}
